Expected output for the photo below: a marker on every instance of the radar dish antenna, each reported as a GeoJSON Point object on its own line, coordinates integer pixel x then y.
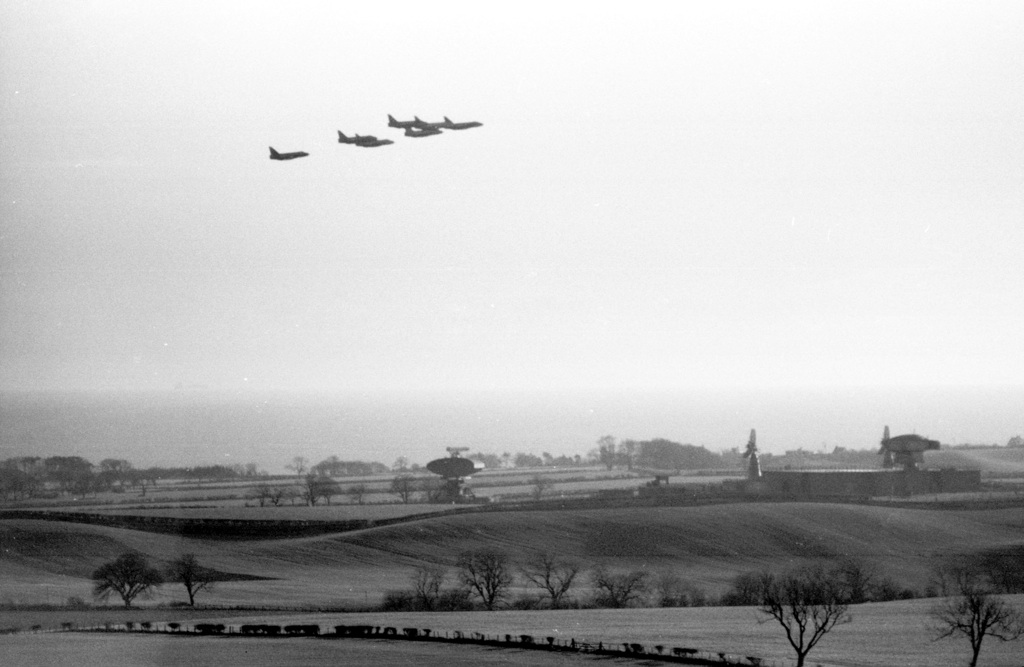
{"type": "Point", "coordinates": [453, 469]}
{"type": "Point", "coordinates": [905, 450]}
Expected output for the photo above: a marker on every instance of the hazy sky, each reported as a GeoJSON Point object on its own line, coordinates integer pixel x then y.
{"type": "Point", "coordinates": [661, 196]}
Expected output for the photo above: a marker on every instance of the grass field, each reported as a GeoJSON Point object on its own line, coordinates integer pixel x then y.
{"type": "Point", "coordinates": [332, 512]}
{"type": "Point", "coordinates": [993, 461]}
{"type": "Point", "coordinates": [75, 650]}
{"type": "Point", "coordinates": [879, 635]}
{"type": "Point", "coordinates": [44, 561]}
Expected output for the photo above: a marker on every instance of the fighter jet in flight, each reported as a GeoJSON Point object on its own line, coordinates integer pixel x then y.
{"type": "Point", "coordinates": [373, 144]}
{"type": "Point", "coordinates": [274, 155]}
{"type": "Point", "coordinates": [449, 125]}
{"type": "Point", "coordinates": [402, 124]}
{"type": "Point", "coordinates": [424, 125]}
{"type": "Point", "coordinates": [368, 141]}
{"type": "Point", "coordinates": [413, 132]}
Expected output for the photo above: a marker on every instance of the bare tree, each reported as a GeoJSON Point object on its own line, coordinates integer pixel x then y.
{"type": "Point", "coordinates": [673, 591]}
{"type": "Point", "coordinates": [426, 587]}
{"type": "Point", "coordinates": [404, 486]}
{"type": "Point", "coordinates": [187, 571]}
{"type": "Point", "coordinates": [974, 611]}
{"type": "Point", "coordinates": [858, 578]}
{"type": "Point", "coordinates": [288, 493]}
{"type": "Point", "coordinates": [129, 575]}
{"type": "Point", "coordinates": [552, 574]}
{"type": "Point", "coordinates": [300, 464]}
{"type": "Point", "coordinates": [747, 589]}
{"type": "Point", "coordinates": [541, 485]}
{"type": "Point", "coordinates": [808, 603]}
{"type": "Point", "coordinates": [619, 589]}
{"type": "Point", "coordinates": [315, 487]}
{"type": "Point", "coordinates": [357, 492]}
{"type": "Point", "coordinates": [606, 452]}
{"type": "Point", "coordinates": [262, 494]}
{"type": "Point", "coordinates": [487, 573]}
{"type": "Point", "coordinates": [329, 488]}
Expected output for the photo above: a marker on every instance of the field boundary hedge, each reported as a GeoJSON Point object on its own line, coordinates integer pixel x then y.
{"type": "Point", "coordinates": [633, 650]}
{"type": "Point", "coordinates": [262, 529]}
{"type": "Point", "coordinates": [228, 529]}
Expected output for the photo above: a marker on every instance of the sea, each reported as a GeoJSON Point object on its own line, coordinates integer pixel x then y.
{"type": "Point", "coordinates": [197, 427]}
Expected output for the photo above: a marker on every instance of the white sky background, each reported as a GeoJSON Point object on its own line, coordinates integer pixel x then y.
{"type": "Point", "coordinates": [758, 195]}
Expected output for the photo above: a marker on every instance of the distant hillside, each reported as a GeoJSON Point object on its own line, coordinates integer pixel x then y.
{"type": "Point", "coordinates": [706, 544]}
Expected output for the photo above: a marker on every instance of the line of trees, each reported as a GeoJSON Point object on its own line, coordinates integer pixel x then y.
{"type": "Point", "coordinates": [33, 476]}
{"type": "Point", "coordinates": [131, 576]}
{"type": "Point", "coordinates": [806, 602]}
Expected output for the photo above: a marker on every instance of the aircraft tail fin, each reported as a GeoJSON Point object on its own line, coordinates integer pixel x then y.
{"type": "Point", "coordinates": [273, 153]}
{"type": "Point", "coordinates": [341, 137]}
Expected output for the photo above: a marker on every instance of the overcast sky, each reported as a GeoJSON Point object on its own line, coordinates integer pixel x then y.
{"type": "Point", "coordinates": [661, 195]}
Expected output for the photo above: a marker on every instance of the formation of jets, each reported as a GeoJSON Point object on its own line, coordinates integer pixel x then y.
{"type": "Point", "coordinates": [415, 128]}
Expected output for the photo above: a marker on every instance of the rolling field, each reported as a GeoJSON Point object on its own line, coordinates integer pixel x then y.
{"type": "Point", "coordinates": [993, 461]}
{"type": "Point", "coordinates": [707, 545]}
{"type": "Point", "coordinates": [879, 635]}
{"type": "Point", "coordinates": [75, 649]}
{"type": "Point", "coordinates": [48, 561]}
{"type": "Point", "coordinates": [286, 512]}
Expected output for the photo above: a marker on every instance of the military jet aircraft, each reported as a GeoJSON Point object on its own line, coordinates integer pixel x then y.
{"type": "Point", "coordinates": [373, 144]}
{"type": "Point", "coordinates": [368, 141]}
{"type": "Point", "coordinates": [449, 125]}
{"type": "Point", "coordinates": [401, 124]}
{"type": "Point", "coordinates": [413, 132]}
{"type": "Point", "coordinates": [424, 125]}
{"type": "Point", "coordinates": [274, 155]}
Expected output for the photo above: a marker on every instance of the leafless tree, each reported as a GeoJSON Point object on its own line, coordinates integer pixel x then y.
{"type": "Point", "coordinates": [553, 574]}
{"type": "Point", "coordinates": [262, 494]}
{"type": "Point", "coordinates": [808, 603]}
{"type": "Point", "coordinates": [187, 571]}
{"type": "Point", "coordinates": [974, 611]}
{"type": "Point", "coordinates": [129, 575]}
{"type": "Point", "coordinates": [858, 578]}
{"type": "Point", "coordinates": [606, 451]}
{"type": "Point", "coordinates": [620, 589]}
{"type": "Point", "coordinates": [674, 591]}
{"type": "Point", "coordinates": [746, 590]}
{"type": "Point", "coordinates": [315, 487]}
{"type": "Point", "coordinates": [427, 582]}
{"type": "Point", "coordinates": [404, 486]}
{"type": "Point", "coordinates": [487, 573]}
{"type": "Point", "coordinates": [288, 493]}
{"type": "Point", "coordinates": [300, 464]}
{"type": "Point", "coordinates": [357, 492]}
{"type": "Point", "coordinates": [541, 485]}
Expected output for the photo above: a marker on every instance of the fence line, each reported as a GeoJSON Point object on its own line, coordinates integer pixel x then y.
{"type": "Point", "coordinates": [657, 652]}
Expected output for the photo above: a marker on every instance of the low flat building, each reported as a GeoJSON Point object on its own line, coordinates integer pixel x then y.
{"type": "Point", "coordinates": [864, 483]}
